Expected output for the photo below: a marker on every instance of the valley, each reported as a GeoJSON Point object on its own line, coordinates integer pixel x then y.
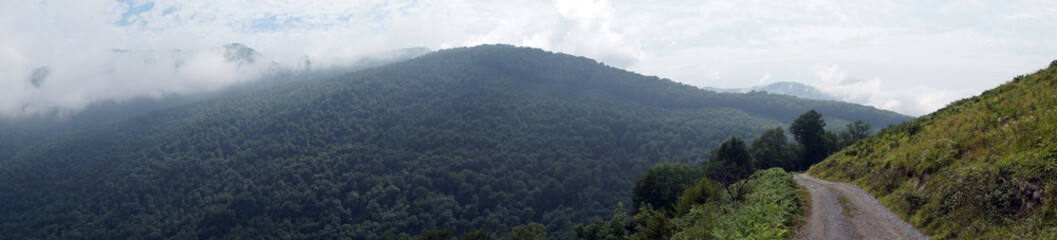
{"type": "Point", "coordinates": [528, 120]}
{"type": "Point", "coordinates": [489, 137]}
{"type": "Point", "coordinates": [497, 140]}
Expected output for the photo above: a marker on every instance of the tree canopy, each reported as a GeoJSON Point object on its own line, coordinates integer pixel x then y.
{"type": "Point", "coordinates": [772, 149]}
{"type": "Point", "coordinates": [490, 137]}
{"type": "Point", "coordinates": [809, 131]}
{"type": "Point", "coordinates": [854, 132]}
{"type": "Point", "coordinates": [730, 162]}
{"type": "Point", "coordinates": [662, 185]}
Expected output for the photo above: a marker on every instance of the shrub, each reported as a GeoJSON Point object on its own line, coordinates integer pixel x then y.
{"type": "Point", "coordinates": [702, 192]}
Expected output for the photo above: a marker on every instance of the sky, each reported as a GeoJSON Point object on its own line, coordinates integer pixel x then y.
{"type": "Point", "coordinates": [911, 57]}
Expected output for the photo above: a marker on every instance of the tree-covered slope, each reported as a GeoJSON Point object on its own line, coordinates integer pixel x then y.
{"type": "Point", "coordinates": [981, 168]}
{"type": "Point", "coordinates": [489, 137]}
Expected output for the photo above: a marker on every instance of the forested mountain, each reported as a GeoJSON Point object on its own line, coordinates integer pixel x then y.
{"type": "Point", "coordinates": [488, 137]}
{"type": "Point", "coordinates": [981, 168]}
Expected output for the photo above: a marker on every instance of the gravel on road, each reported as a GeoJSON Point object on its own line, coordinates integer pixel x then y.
{"type": "Point", "coordinates": [845, 211]}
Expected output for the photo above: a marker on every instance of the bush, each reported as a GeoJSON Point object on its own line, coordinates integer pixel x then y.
{"type": "Point", "coordinates": [769, 212]}
{"type": "Point", "coordinates": [662, 185]}
{"type": "Point", "coordinates": [704, 191]}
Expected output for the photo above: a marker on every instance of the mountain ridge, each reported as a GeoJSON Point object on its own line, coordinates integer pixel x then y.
{"type": "Point", "coordinates": [490, 137]}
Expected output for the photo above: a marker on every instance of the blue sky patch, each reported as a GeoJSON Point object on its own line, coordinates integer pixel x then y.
{"type": "Point", "coordinates": [134, 10]}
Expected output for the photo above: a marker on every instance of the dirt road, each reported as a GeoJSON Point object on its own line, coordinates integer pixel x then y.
{"type": "Point", "coordinates": [845, 211]}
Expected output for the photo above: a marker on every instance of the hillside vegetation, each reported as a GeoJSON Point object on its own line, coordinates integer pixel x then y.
{"type": "Point", "coordinates": [489, 138]}
{"type": "Point", "coordinates": [769, 211]}
{"type": "Point", "coordinates": [981, 168]}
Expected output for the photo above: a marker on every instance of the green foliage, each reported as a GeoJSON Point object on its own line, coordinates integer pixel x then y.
{"type": "Point", "coordinates": [488, 137]}
{"type": "Point", "coordinates": [446, 234]}
{"type": "Point", "coordinates": [436, 234]}
{"type": "Point", "coordinates": [770, 211]}
{"type": "Point", "coordinates": [531, 231]}
{"type": "Point", "coordinates": [662, 185]}
{"type": "Point", "coordinates": [620, 226]}
{"type": "Point", "coordinates": [476, 234]}
{"type": "Point", "coordinates": [854, 132]}
{"type": "Point", "coordinates": [647, 223]}
{"type": "Point", "coordinates": [772, 149]}
{"type": "Point", "coordinates": [729, 162]}
{"type": "Point", "coordinates": [809, 131]}
{"type": "Point", "coordinates": [980, 168]}
{"type": "Point", "coordinates": [701, 221]}
{"type": "Point", "coordinates": [655, 224]}
{"type": "Point", "coordinates": [702, 192]}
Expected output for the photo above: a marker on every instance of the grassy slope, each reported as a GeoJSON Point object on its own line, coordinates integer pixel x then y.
{"type": "Point", "coordinates": [983, 167]}
{"type": "Point", "coordinates": [770, 211]}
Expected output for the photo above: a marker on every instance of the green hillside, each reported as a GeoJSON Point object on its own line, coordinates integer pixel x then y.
{"type": "Point", "coordinates": [489, 137]}
{"type": "Point", "coordinates": [981, 168]}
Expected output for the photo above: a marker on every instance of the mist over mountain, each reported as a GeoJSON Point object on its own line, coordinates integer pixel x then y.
{"type": "Point", "coordinates": [63, 88]}
{"type": "Point", "coordinates": [488, 137]}
{"type": "Point", "coordinates": [787, 88]}
{"type": "Point", "coordinates": [24, 130]}
{"type": "Point", "coordinates": [201, 119]}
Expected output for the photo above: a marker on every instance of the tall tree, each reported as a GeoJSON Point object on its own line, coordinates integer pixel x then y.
{"type": "Point", "coordinates": [772, 150]}
{"type": "Point", "coordinates": [833, 144]}
{"type": "Point", "coordinates": [728, 164]}
{"type": "Point", "coordinates": [809, 131]}
{"type": "Point", "coordinates": [854, 132]}
{"type": "Point", "coordinates": [662, 185]}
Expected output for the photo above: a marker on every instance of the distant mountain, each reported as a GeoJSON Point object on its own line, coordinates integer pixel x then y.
{"type": "Point", "coordinates": [487, 137]}
{"type": "Point", "coordinates": [980, 168]}
{"type": "Point", "coordinates": [786, 88]}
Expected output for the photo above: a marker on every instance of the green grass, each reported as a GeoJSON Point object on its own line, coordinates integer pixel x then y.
{"type": "Point", "coordinates": [771, 211]}
{"type": "Point", "coordinates": [981, 168]}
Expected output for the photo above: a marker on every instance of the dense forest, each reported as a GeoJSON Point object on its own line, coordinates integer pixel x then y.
{"type": "Point", "coordinates": [981, 168]}
{"type": "Point", "coordinates": [491, 138]}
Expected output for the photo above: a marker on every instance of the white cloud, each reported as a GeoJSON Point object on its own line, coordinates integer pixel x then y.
{"type": "Point", "coordinates": [586, 27]}
{"type": "Point", "coordinates": [763, 80]}
{"type": "Point", "coordinates": [913, 99]}
{"type": "Point", "coordinates": [834, 82]}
